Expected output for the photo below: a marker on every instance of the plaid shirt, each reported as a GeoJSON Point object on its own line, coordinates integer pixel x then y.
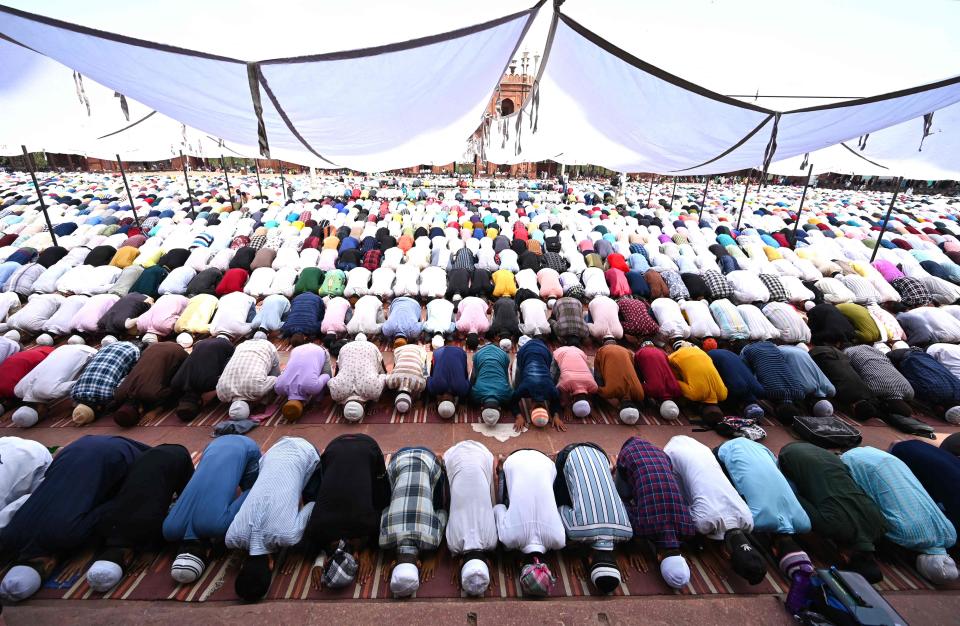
{"type": "Point", "coordinates": [371, 260]}
{"type": "Point", "coordinates": [678, 289]}
{"type": "Point", "coordinates": [103, 373]}
{"type": "Point", "coordinates": [250, 373]}
{"type": "Point", "coordinates": [257, 241]}
{"type": "Point", "coordinates": [568, 319]}
{"type": "Point", "coordinates": [636, 317]}
{"type": "Point", "coordinates": [718, 285]}
{"type": "Point", "coordinates": [777, 291]}
{"type": "Point", "coordinates": [912, 292]}
{"type": "Point", "coordinates": [414, 521]}
{"type": "Point", "coordinates": [656, 507]}
{"type": "Point", "coordinates": [556, 262]}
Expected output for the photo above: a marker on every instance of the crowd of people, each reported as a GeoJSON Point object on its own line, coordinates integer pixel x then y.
{"type": "Point", "coordinates": [490, 296]}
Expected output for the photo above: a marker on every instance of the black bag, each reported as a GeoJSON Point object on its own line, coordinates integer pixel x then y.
{"type": "Point", "coordinates": [827, 432]}
{"type": "Point", "coordinates": [909, 425]}
{"type": "Point", "coordinates": [847, 599]}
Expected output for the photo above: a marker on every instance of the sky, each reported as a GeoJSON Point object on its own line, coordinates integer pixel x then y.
{"type": "Point", "coordinates": [817, 47]}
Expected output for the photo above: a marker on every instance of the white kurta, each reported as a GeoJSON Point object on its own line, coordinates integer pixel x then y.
{"type": "Point", "coordinates": [532, 522]}
{"type": "Point", "coordinates": [55, 376]}
{"type": "Point", "coordinates": [22, 465]}
{"type": "Point", "coordinates": [471, 524]}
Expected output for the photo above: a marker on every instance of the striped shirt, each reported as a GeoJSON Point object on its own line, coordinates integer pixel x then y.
{"type": "Point", "coordinates": [771, 369]}
{"type": "Point", "coordinates": [589, 505]}
{"type": "Point", "coordinates": [863, 291]}
{"type": "Point", "coordinates": [732, 324]}
{"type": "Point", "coordinates": [103, 373]}
{"type": "Point", "coordinates": [879, 374]}
{"type": "Point", "coordinates": [250, 373]}
{"type": "Point", "coordinates": [914, 520]}
{"type": "Point", "coordinates": [271, 518]}
{"type": "Point", "coordinates": [414, 521]}
{"type": "Point", "coordinates": [788, 321]}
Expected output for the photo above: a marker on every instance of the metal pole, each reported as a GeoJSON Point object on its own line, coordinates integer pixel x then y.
{"type": "Point", "coordinates": [743, 202]}
{"type": "Point", "coordinates": [256, 170]}
{"type": "Point", "coordinates": [650, 192]}
{"type": "Point", "coordinates": [673, 195]}
{"type": "Point", "coordinates": [223, 164]}
{"type": "Point", "coordinates": [283, 184]}
{"type": "Point", "coordinates": [183, 162]}
{"type": "Point", "coordinates": [136, 218]}
{"type": "Point", "coordinates": [36, 185]}
{"type": "Point", "coordinates": [803, 197]}
{"type": "Point", "coordinates": [886, 219]}
{"type": "Point", "coordinates": [703, 203]}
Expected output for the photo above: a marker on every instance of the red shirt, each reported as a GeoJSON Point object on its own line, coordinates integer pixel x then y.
{"type": "Point", "coordinates": [233, 280]}
{"type": "Point", "coordinates": [16, 366]}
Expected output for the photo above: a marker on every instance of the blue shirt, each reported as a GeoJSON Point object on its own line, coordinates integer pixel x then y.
{"type": "Point", "coordinates": [815, 382]}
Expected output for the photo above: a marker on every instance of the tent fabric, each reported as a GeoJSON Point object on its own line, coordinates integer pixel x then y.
{"type": "Point", "coordinates": [419, 101]}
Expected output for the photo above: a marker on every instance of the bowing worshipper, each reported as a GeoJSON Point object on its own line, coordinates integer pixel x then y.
{"type": "Point", "coordinates": [160, 319]}
{"type": "Point", "coordinates": [407, 281]}
{"type": "Point", "coordinates": [458, 284]}
{"type": "Point", "coordinates": [655, 505]}
{"type": "Point", "coordinates": [408, 374]}
{"type": "Point", "coordinates": [816, 385]}
{"type": "Point", "coordinates": [882, 378]}
{"type": "Point", "coordinates": [853, 395]}
{"type": "Point", "coordinates": [505, 325]}
{"type": "Point", "coordinates": [574, 379]}
{"type": "Point", "coordinates": [403, 319]}
{"type": "Point", "coordinates": [303, 379]}
{"type": "Point", "coordinates": [617, 380]}
{"type": "Point", "coordinates": [504, 283]}
{"type": "Point", "coordinates": [349, 492]}
{"type": "Point", "coordinates": [659, 382]}
{"type": "Point", "coordinates": [533, 313]}
{"type": "Point", "coordinates": [15, 367]}
{"type": "Point", "coordinates": [669, 316]}
{"type": "Point", "coordinates": [490, 386]}
{"type": "Point", "coordinates": [717, 510]}
{"type": "Point", "coordinates": [604, 319]}
{"type": "Point", "coordinates": [914, 521]}
{"type": "Point", "coordinates": [49, 382]}
{"type": "Point", "coordinates": [235, 315]}
{"type": "Point", "coordinates": [472, 320]}
{"type": "Point", "coordinates": [433, 282]}
{"type": "Point", "coordinates": [592, 512]}
{"type": "Point", "coordinates": [194, 383]}
{"type": "Point", "coordinates": [829, 326]}
{"type": "Point", "coordinates": [336, 315]}
{"type": "Point", "coordinates": [208, 504]}
{"type": "Point", "coordinates": [125, 281]}
{"type": "Point", "coordinates": [382, 280]}
{"type": "Point", "coordinates": [788, 321]}
{"type": "Point", "coordinates": [937, 469]}
{"type": "Point", "coordinates": [359, 379]}
{"type": "Point", "coordinates": [471, 527]}
{"type": "Point", "coordinates": [700, 319]}
{"type": "Point", "coordinates": [24, 464]}
{"type": "Point", "coordinates": [60, 323]}
{"type": "Point", "coordinates": [30, 318]}
{"type": "Point", "coordinates": [837, 506]}
{"type": "Point", "coordinates": [440, 318]}
{"type": "Point", "coordinates": [61, 514]}
{"type": "Point", "coordinates": [865, 328]}
{"type": "Point", "coordinates": [87, 319]}
{"type": "Point", "coordinates": [304, 320]}
{"type": "Point", "coordinates": [367, 316]}
{"type": "Point", "coordinates": [94, 390]}
{"type": "Point", "coordinates": [177, 281]}
{"type": "Point", "coordinates": [449, 382]}
{"type": "Point", "coordinates": [122, 316]}
{"type": "Point", "coordinates": [567, 322]}
{"type": "Point", "coordinates": [205, 282]}
{"type": "Point", "coordinates": [195, 318]}
{"type": "Point", "coordinates": [147, 387]}
{"type": "Point", "coordinates": [531, 377]}
{"type": "Point", "coordinates": [414, 520]}
{"type": "Point", "coordinates": [743, 388]}
{"type": "Point", "coordinates": [308, 281]}
{"type": "Point", "coordinates": [782, 386]}
{"type": "Point", "coordinates": [946, 354]}
{"type": "Point", "coordinates": [233, 280]}
{"type": "Point", "coordinates": [934, 385]}
{"type": "Point", "coordinates": [133, 519]}
{"type": "Point", "coordinates": [9, 346]}
{"type": "Point", "coordinates": [271, 517]}
{"type": "Point", "coordinates": [927, 325]}
{"type": "Point", "coordinates": [358, 282]}
{"type": "Point", "coordinates": [149, 281]}
{"type": "Point", "coordinates": [527, 516]}
{"type": "Point", "coordinates": [548, 279]}
{"type": "Point", "coordinates": [752, 468]}
{"type": "Point", "coordinates": [249, 376]}
{"type": "Point", "coordinates": [699, 381]}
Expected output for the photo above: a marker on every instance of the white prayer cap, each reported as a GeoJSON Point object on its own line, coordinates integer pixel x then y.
{"type": "Point", "coordinates": [437, 341]}
{"type": "Point", "coordinates": [823, 408]}
{"type": "Point", "coordinates": [25, 417]}
{"type": "Point", "coordinates": [13, 335]}
{"type": "Point", "coordinates": [669, 410]}
{"type": "Point", "coordinates": [581, 408]}
{"type": "Point", "coordinates": [239, 410]}
{"type": "Point", "coordinates": [882, 347]}
{"type": "Point", "coordinates": [629, 415]}
{"type": "Point", "coordinates": [506, 344]}
{"type": "Point", "coordinates": [104, 575]}
{"type": "Point", "coordinates": [75, 340]}
{"type": "Point", "coordinates": [403, 402]}
{"type": "Point", "coordinates": [21, 582]}
{"type": "Point", "coordinates": [360, 337]}
{"type": "Point", "coordinates": [353, 411]}
{"type": "Point", "coordinates": [150, 338]}
{"type": "Point", "coordinates": [901, 345]}
{"type": "Point", "coordinates": [107, 340]}
{"type": "Point", "coordinates": [953, 415]}
{"type": "Point", "coordinates": [937, 568]}
{"type": "Point", "coordinates": [44, 340]}
{"type": "Point", "coordinates": [809, 304]}
{"type": "Point", "coordinates": [405, 580]}
{"type": "Point", "coordinates": [675, 571]}
{"type": "Point", "coordinates": [446, 409]}
{"type": "Point", "coordinates": [187, 568]}
{"type": "Point", "coordinates": [523, 340]}
{"type": "Point", "coordinates": [490, 416]}
{"type": "Point", "coordinates": [185, 340]}
{"type": "Point", "coordinates": [475, 577]}
{"type": "Point", "coordinates": [259, 335]}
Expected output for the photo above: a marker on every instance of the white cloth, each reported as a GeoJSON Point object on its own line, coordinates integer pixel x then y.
{"type": "Point", "coordinates": [471, 524]}
{"type": "Point", "coordinates": [270, 517]}
{"type": "Point", "coordinates": [532, 522]}
{"type": "Point", "coordinates": [747, 287]}
{"type": "Point", "coordinates": [715, 505]}
{"type": "Point", "coordinates": [53, 378]}
{"type": "Point", "coordinates": [32, 316]}
{"type": "Point", "coordinates": [948, 355]}
{"type": "Point", "coordinates": [700, 319]}
{"type": "Point", "coordinates": [533, 316]}
{"type": "Point", "coordinates": [670, 318]}
{"type": "Point", "coordinates": [60, 322]}
{"type": "Point", "coordinates": [23, 465]}
{"type": "Point", "coordinates": [232, 314]}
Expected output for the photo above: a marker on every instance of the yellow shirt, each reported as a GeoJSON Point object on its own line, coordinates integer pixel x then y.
{"type": "Point", "coordinates": [150, 259]}
{"type": "Point", "coordinates": [698, 378]}
{"type": "Point", "coordinates": [196, 317]}
{"type": "Point", "coordinates": [124, 257]}
{"type": "Point", "coordinates": [504, 284]}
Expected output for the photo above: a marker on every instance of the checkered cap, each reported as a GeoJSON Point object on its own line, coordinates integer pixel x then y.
{"type": "Point", "coordinates": [341, 569]}
{"type": "Point", "coordinates": [536, 579]}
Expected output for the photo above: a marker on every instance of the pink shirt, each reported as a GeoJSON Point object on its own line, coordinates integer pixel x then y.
{"type": "Point", "coordinates": [575, 374]}
{"type": "Point", "coordinates": [335, 315]}
{"type": "Point", "coordinates": [617, 281]}
{"type": "Point", "coordinates": [888, 270]}
{"type": "Point", "coordinates": [87, 318]}
{"type": "Point", "coordinates": [161, 317]}
{"type": "Point", "coordinates": [472, 316]}
{"type": "Point", "coordinates": [550, 286]}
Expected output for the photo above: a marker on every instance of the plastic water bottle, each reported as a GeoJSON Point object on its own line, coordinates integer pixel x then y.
{"type": "Point", "coordinates": [799, 594]}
